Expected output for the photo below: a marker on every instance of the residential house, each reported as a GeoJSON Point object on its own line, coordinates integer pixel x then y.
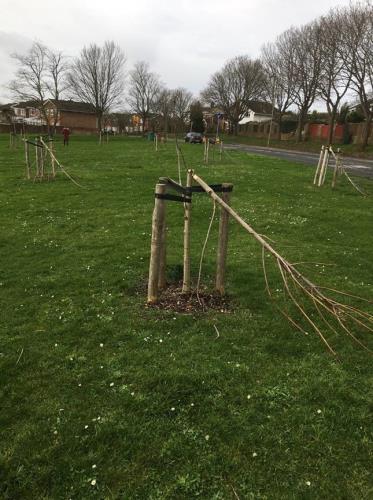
{"type": "Point", "coordinates": [80, 116]}
{"type": "Point", "coordinates": [259, 112]}
{"type": "Point", "coordinates": [211, 117]}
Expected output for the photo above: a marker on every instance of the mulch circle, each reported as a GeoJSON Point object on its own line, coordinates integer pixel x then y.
{"type": "Point", "coordinates": [172, 299]}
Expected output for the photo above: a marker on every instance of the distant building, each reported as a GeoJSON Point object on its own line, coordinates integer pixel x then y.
{"type": "Point", "coordinates": [259, 112]}
{"type": "Point", "coordinates": [71, 114]}
{"type": "Point", "coordinates": [61, 113]}
{"type": "Point", "coordinates": [211, 116]}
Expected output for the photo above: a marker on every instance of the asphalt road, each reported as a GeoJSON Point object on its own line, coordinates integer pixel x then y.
{"type": "Point", "coordinates": [356, 166]}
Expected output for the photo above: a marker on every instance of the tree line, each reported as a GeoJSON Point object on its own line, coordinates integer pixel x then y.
{"type": "Point", "coordinates": [97, 77]}
{"type": "Point", "coordinates": [323, 59]}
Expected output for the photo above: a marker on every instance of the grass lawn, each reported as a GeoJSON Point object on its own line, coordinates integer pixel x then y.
{"type": "Point", "coordinates": [101, 397]}
{"type": "Point", "coordinates": [308, 146]}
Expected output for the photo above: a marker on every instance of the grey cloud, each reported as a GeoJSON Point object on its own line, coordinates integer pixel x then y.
{"type": "Point", "coordinates": [184, 41]}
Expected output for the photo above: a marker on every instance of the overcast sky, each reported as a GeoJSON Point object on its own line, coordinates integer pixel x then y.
{"type": "Point", "coordinates": [184, 41]}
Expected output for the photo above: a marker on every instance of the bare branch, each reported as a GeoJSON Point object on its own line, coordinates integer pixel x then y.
{"type": "Point", "coordinates": [97, 77]}
{"type": "Point", "coordinates": [144, 91]}
{"type": "Point", "coordinates": [240, 81]}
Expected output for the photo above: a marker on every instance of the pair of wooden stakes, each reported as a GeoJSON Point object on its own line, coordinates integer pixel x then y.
{"type": "Point", "coordinates": [44, 165]}
{"type": "Point", "coordinates": [322, 166]}
{"type": "Point", "coordinates": [157, 268]}
{"type": "Point", "coordinates": [206, 150]}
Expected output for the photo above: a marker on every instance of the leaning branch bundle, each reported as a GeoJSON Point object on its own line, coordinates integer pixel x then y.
{"type": "Point", "coordinates": [54, 159]}
{"type": "Point", "coordinates": [326, 308]}
{"type": "Point", "coordinates": [339, 169]}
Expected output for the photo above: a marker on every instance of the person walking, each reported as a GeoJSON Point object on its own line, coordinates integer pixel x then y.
{"type": "Point", "coordinates": [66, 135]}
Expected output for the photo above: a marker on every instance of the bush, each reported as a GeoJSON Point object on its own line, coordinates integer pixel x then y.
{"type": "Point", "coordinates": [288, 126]}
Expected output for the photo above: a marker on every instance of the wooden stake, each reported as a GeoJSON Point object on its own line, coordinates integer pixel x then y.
{"type": "Point", "coordinates": [52, 160]}
{"type": "Point", "coordinates": [27, 160]}
{"type": "Point", "coordinates": [221, 150]}
{"type": "Point", "coordinates": [338, 167]}
{"type": "Point", "coordinates": [41, 157]}
{"type": "Point", "coordinates": [156, 141]}
{"type": "Point", "coordinates": [163, 255]}
{"type": "Point", "coordinates": [326, 163]}
{"type": "Point", "coordinates": [222, 243]}
{"type": "Point", "coordinates": [187, 220]}
{"type": "Point", "coordinates": [156, 243]}
{"type": "Point", "coordinates": [36, 161]}
{"type": "Point", "coordinates": [321, 157]}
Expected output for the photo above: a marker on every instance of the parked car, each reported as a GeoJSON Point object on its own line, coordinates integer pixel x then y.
{"type": "Point", "coordinates": [194, 138]}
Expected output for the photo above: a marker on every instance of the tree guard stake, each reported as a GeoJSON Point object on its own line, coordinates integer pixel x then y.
{"type": "Point", "coordinates": [158, 223]}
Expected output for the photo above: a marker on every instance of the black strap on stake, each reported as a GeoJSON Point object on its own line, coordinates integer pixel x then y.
{"type": "Point", "coordinates": [173, 184]}
{"type": "Point", "coordinates": [173, 197]}
{"type": "Point", "coordinates": [218, 188]}
{"type": "Point", "coordinates": [35, 144]}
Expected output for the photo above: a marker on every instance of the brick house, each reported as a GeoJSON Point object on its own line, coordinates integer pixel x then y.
{"type": "Point", "coordinates": [79, 116]}
{"type": "Point", "coordinates": [71, 114]}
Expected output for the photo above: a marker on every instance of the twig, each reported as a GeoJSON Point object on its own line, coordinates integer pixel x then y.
{"type": "Point", "coordinates": [178, 163]}
{"type": "Point", "coordinates": [235, 493]}
{"type": "Point", "coordinates": [19, 357]}
{"type": "Point", "coordinates": [217, 332]}
{"type": "Point", "coordinates": [353, 184]}
{"type": "Point", "coordinates": [314, 263]}
{"type": "Point", "coordinates": [203, 252]}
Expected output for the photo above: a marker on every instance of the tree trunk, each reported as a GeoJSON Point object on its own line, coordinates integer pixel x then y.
{"type": "Point", "coordinates": [331, 127]}
{"type": "Point", "coordinates": [279, 121]}
{"type": "Point", "coordinates": [299, 129]}
{"type": "Point", "coordinates": [99, 121]}
{"type": "Point", "coordinates": [46, 118]}
{"type": "Point", "coordinates": [366, 132]}
{"type": "Point", "coordinates": [235, 128]}
{"type": "Point", "coordinates": [301, 120]}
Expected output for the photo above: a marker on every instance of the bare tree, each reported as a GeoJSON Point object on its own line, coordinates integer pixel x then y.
{"type": "Point", "coordinates": [358, 56]}
{"type": "Point", "coordinates": [240, 81]}
{"type": "Point", "coordinates": [163, 107]}
{"type": "Point", "coordinates": [278, 60]}
{"type": "Point", "coordinates": [40, 76]}
{"type": "Point", "coordinates": [180, 100]}
{"type": "Point", "coordinates": [56, 82]}
{"type": "Point", "coordinates": [335, 75]}
{"type": "Point", "coordinates": [144, 90]}
{"type": "Point", "coordinates": [57, 68]}
{"type": "Point", "coordinates": [97, 77]}
{"type": "Point", "coordinates": [30, 83]}
{"type": "Point", "coordinates": [306, 42]}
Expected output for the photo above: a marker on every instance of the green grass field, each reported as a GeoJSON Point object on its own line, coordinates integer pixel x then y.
{"type": "Point", "coordinates": [102, 397]}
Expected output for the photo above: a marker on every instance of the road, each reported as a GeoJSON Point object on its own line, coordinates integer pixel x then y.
{"type": "Point", "coordinates": [356, 166]}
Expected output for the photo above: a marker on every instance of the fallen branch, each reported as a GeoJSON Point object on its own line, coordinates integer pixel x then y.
{"type": "Point", "coordinates": [295, 282]}
{"type": "Point", "coordinates": [59, 164]}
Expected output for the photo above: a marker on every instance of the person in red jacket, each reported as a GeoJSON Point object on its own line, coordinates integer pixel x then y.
{"type": "Point", "coordinates": [66, 135]}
